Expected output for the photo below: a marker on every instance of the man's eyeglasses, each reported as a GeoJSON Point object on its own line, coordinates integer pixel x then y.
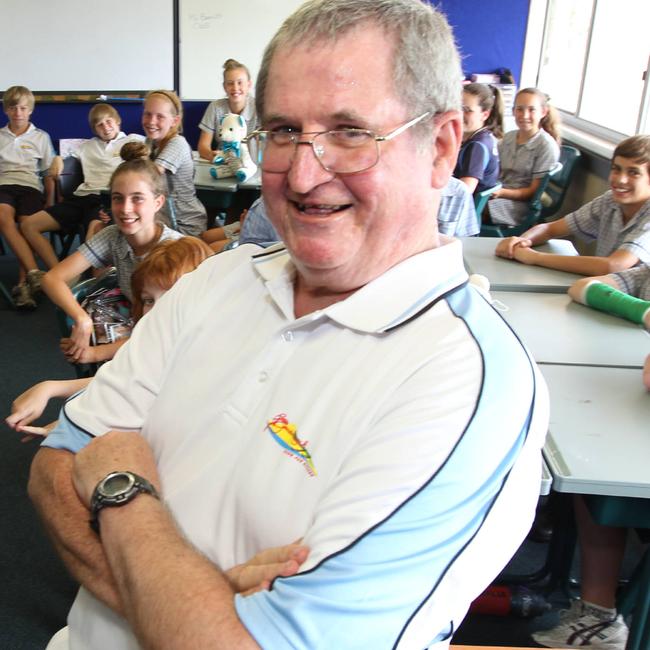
{"type": "Point", "coordinates": [340, 151]}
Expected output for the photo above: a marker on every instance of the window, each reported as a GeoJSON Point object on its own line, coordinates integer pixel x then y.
{"type": "Point", "coordinates": [592, 59]}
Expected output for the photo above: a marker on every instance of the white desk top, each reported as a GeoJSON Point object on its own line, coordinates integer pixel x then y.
{"type": "Point", "coordinates": [558, 330]}
{"type": "Point", "coordinates": [508, 275]}
{"type": "Point", "coordinates": [599, 433]}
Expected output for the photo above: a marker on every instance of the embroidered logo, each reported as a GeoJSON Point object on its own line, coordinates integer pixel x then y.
{"type": "Point", "coordinates": [285, 434]}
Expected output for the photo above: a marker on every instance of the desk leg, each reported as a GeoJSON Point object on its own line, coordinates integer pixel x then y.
{"type": "Point", "coordinates": [638, 591]}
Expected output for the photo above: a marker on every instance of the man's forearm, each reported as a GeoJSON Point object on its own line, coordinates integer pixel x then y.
{"type": "Point", "coordinates": [66, 520]}
{"type": "Point", "coordinates": [173, 596]}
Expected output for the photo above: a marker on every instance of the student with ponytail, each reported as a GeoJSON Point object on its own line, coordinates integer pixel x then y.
{"type": "Point", "coordinates": [526, 155]}
{"type": "Point", "coordinates": [162, 121]}
{"type": "Point", "coordinates": [478, 159]}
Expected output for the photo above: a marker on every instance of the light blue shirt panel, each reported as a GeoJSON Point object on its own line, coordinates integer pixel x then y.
{"type": "Point", "coordinates": [365, 595]}
{"type": "Point", "coordinates": [456, 215]}
{"type": "Point", "coordinates": [66, 435]}
{"type": "Point", "coordinates": [257, 228]}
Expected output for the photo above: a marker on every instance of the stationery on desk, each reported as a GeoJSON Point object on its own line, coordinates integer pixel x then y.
{"type": "Point", "coordinates": [509, 275]}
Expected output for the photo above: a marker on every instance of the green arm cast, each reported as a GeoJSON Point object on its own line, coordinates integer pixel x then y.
{"type": "Point", "coordinates": [605, 298]}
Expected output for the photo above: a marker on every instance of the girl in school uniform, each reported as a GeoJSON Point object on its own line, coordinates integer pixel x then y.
{"type": "Point", "coordinates": [238, 86]}
{"type": "Point", "coordinates": [137, 194]}
{"type": "Point", "coordinates": [526, 155]}
{"type": "Point", "coordinates": [162, 120]}
{"type": "Point", "coordinates": [478, 158]}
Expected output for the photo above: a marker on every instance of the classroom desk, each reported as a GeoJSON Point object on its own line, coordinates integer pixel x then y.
{"type": "Point", "coordinates": [599, 434]}
{"type": "Point", "coordinates": [598, 445]}
{"type": "Point", "coordinates": [508, 275]}
{"type": "Point", "coordinates": [560, 331]}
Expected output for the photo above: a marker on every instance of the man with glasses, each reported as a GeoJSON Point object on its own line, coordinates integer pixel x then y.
{"type": "Point", "coordinates": [346, 386]}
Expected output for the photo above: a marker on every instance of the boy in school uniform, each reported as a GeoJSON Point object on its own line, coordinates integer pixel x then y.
{"type": "Point", "coordinates": [619, 221]}
{"type": "Point", "coordinates": [99, 157]}
{"type": "Point", "coordinates": [26, 153]}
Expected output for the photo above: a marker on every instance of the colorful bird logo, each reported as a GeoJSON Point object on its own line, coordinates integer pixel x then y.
{"type": "Point", "coordinates": [285, 434]}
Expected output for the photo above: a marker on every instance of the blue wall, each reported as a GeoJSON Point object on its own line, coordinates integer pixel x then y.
{"type": "Point", "coordinates": [489, 33]}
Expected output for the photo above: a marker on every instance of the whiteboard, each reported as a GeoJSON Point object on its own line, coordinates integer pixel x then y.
{"type": "Point", "coordinates": [212, 31]}
{"type": "Point", "coordinates": [82, 45]}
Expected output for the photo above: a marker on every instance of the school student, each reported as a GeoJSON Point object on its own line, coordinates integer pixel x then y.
{"type": "Point", "coordinates": [238, 86]}
{"type": "Point", "coordinates": [25, 156]}
{"type": "Point", "coordinates": [478, 158]}
{"type": "Point", "coordinates": [618, 221]}
{"type": "Point", "coordinates": [526, 155]}
{"type": "Point", "coordinates": [152, 278]}
{"type": "Point", "coordinates": [162, 121]}
{"type": "Point", "coordinates": [137, 194]}
{"type": "Point", "coordinates": [99, 158]}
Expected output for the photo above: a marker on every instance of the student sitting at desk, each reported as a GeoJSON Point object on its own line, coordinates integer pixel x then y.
{"type": "Point", "coordinates": [478, 158]}
{"type": "Point", "coordinates": [618, 221]}
{"type": "Point", "coordinates": [237, 84]}
{"type": "Point", "coordinates": [162, 121]}
{"type": "Point", "coordinates": [99, 157]}
{"type": "Point", "coordinates": [25, 155]}
{"type": "Point", "coordinates": [525, 155]}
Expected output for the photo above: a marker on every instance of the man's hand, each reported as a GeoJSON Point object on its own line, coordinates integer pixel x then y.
{"type": "Point", "coordinates": [258, 573]}
{"type": "Point", "coordinates": [115, 451]}
{"type": "Point", "coordinates": [506, 247]}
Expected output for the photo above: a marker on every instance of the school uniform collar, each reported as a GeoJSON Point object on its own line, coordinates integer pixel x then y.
{"type": "Point", "coordinates": [401, 294]}
{"type": "Point", "coordinates": [530, 144]}
{"type": "Point", "coordinates": [6, 129]}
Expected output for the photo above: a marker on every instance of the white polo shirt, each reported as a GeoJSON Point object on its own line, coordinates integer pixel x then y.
{"type": "Point", "coordinates": [398, 432]}
{"type": "Point", "coordinates": [24, 157]}
{"type": "Point", "coordinates": [99, 160]}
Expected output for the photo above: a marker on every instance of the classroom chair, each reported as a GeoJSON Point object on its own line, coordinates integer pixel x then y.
{"type": "Point", "coordinates": [559, 184]}
{"type": "Point", "coordinates": [107, 280]}
{"type": "Point", "coordinates": [481, 199]}
{"type": "Point", "coordinates": [69, 180]}
{"type": "Point", "coordinates": [4, 292]}
{"type": "Point", "coordinates": [533, 215]}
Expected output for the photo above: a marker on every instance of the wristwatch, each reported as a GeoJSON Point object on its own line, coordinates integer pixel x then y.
{"type": "Point", "coordinates": [117, 489]}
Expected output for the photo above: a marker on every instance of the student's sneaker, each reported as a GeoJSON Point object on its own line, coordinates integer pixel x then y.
{"type": "Point", "coordinates": [586, 625]}
{"type": "Point", "coordinates": [34, 278]}
{"type": "Point", "coordinates": [22, 296]}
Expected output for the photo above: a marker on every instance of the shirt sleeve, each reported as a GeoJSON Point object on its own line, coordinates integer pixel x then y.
{"type": "Point", "coordinates": [257, 228]}
{"type": "Point", "coordinates": [584, 223]}
{"type": "Point", "coordinates": [174, 154]}
{"type": "Point", "coordinates": [208, 122]}
{"type": "Point", "coordinates": [472, 161]}
{"type": "Point", "coordinates": [407, 580]}
{"type": "Point", "coordinates": [99, 250]}
{"type": "Point", "coordinates": [547, 154]}
{"type": "Point", "coordinates": [47, 154]}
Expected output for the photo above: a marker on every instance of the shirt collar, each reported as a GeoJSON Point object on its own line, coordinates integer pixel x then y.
{"type": "Point", "coordinates": [400, 294]}
{"type": "Point", "coordinates": [6, 129]}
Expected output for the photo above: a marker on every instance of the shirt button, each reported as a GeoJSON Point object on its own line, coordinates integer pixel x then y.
{"type": "Point", "coordinates": [287, 336]}
{"type": "Point", "coordinates": [263, 376]}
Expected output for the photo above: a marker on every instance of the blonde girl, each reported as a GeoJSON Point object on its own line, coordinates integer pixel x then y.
{"type": "Point", "coordinates": [162, 120]}
{"type": "Point", "coordinates": [137, 194]}
{"type": "Point", "coordinates": [526, 155]}
{"type": "Point", "coordinates": [478, 158]}
{"type": "Point", "coordinates": [238, 86]}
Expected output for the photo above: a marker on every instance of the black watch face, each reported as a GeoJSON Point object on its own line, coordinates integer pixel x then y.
{"type": "Point", "coordinates": [117, 483]}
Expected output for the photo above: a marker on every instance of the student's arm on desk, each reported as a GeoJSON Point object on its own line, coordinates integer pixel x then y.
{"type": "Point", "coordinates": [582, 264]}
{"type": "Point", "coordinates": [535, 236]}
{"type": "Point", "coordinates": [646, 372]}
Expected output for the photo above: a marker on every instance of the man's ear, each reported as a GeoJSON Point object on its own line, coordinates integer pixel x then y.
{"type": "Point", "coordinates": [448, 134]}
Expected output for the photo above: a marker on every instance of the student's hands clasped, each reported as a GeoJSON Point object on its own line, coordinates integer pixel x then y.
{"type": "Point", "coordinates": [29, 406]}
{"type": "Point", "coordinates": [507, 247]}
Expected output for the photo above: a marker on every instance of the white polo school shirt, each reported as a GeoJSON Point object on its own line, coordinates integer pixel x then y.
{"type": "Point", "coordinates": [398, 432]}
{"type": "Point", "coordinates": [23, 157]}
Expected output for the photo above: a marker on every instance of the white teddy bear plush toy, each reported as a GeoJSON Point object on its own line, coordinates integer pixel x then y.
{"type": "Point", "coordinates": [233, 158]}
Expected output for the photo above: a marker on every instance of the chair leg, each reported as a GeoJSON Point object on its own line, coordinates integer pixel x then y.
{"type": "Point", "coordinates": [637, 595]}
{"type": "Point", "coordinates": [7, 296]}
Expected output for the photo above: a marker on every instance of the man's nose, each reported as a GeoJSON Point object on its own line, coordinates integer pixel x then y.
{"type": "Point", "coordinates": [306, 171]}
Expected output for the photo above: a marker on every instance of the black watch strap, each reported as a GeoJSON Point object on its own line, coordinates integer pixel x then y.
{"type": "Point", "coordinates": [117, 489]}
